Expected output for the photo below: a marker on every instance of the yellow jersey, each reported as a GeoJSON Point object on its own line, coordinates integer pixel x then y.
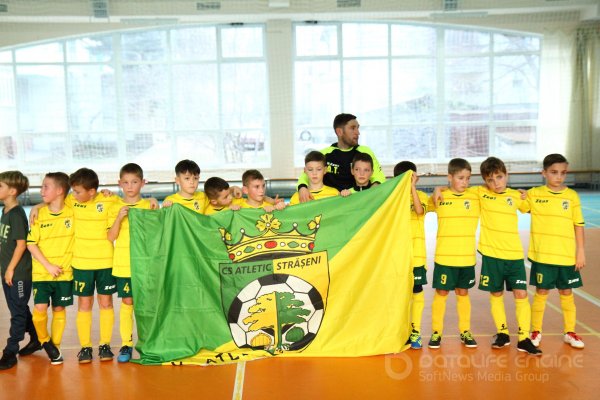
{"type": "Point", "coordinates": [499, 229]}
{"type": "Point", "coordinates": [244, 204]}
{"type": "Point", "coordinates": [554, 216]}
{"type": "Point", "coordinates": [54, 235]}
{"type": "Point", "coordinates": [121, 258]}
{"type": "Point", "coordinates": [92, 250]}
{"type": "Point", "coordinates": [458, 215]}
{"type": "Point", "coordinates": [197, 203]}
{"type": "Point", "coordinates": [417, 225]}
{"type": "Point", "coordinates": [324, 192]}
{"type": "Point", "coordinates": [210, 209]}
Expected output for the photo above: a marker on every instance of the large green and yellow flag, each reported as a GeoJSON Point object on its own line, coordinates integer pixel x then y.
{"type": "Point", "coordinates": [325, 278]}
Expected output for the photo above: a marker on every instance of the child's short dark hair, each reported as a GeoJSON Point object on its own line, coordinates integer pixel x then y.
{"type": "Point", "coordinates": [404, 166]}
{"type": "Point", "coordinates": [553, 159]}
{"type": "Point", "coordinates": [61, 179]}
{"type": "Point", "coordinates": [215, 185]}
{"type": "Point", "coordinates": [184, 166]}
{"type": "Point", "coordinates": [251, 175]}
{"type": "Point", "coordinates": [15, 180]}
{"type": "Point", "coordinates": [131, 168]}
{"type": "Point", "coordinates": [364, 157]}
{"type": "Point", "coordinates": [84, 177]}
{"type": "Point", "coordinates": [491, 165]}
{"type": "Point", "coordinates": [341, 120]}
{"type": "Point", "coordinates": [458, 164]}
{"type": "Point", "coordinates": [315, 156]}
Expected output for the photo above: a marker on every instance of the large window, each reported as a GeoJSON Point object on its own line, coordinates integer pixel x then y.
{"type": "Point", "coordinates": [424, 93]}
{"type": "Point", "coordinates": [148, 96]}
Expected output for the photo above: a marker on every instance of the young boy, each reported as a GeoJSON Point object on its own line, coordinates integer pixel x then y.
{"type": "Point", "coordinates": [131, 182]}
{"type": "Point", "coordinates": [187, 176]}
{"type": "Point", "coordinates": [418, 208]}
{"type": "Point", "coordinates": [50, 242]}
{"type": "Point", "coordinates": [15, 263]}
{"type": "Point", "coordinates": [315, 168]}
{"type": "Point", "coordinates": [220, 196]}
{"type": "Point", "coordinates": [254, 189]}
{"type": "Point", "coordinates": [362, 170]}
{"type": "Point", "coordinates": [556, 247]}
{"type": "Point", "coordinates": [502, 253]}
{"type": "Point", "coordinates": [454, 267]}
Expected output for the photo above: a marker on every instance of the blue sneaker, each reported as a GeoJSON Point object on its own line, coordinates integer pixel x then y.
{"type": "Point", "coordinates": [416, 342]}
{"type": "Point", "coordinates": [125, 354]}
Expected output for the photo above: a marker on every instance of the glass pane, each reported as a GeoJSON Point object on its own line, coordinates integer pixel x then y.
{"type": "Point", "coordinates": [45, 149]}
{"type": "Point", "coordinates": [202, 146]}
{"type": "Point", "coordinates": [195, 101]}
{"type": "Point", "coordinates": [316, 40]}
{"type": "Point", "coordinates": [506, 42]}
{"type": "Point", "coordinates": [8, 153]}
{"type": "Point", "coordinates": [50, 52]}
{"type": "Point", "coordinates": [378, 140]}
{"type": "Point", "coordinates": [467, 82]}
{"type": "Point", "coordinates": [41, 98]}
{"type": "Point", "coordinates": [151, 150]}
{"type": "Point", "coordinates": [95, 146]}
{"type": "Point", "coordinates": [146, 97]}
{"type": "Point", "coordinates": [459, 42]}
{"type": "Point", "coordinates": [194, 44]}
{"type": "Point", "coordinates": [90, 49]}
{"type": "Point", "coordinates": [366, 91]}
{"type": "Point", "coordinates": [312, 139]}
{"type": "Point", "coordinates": [414, 142]}
{"type": "Point", "coordinates": [242, 42]}
{"type": "Point", "coordinates": [8, 106]}
{"type": "Point", "coordinates": [316, 92]}
{"type": "Point", "coordinates": [244, 96]}
{"type": "Point", "coordinates": [148, 45]}
{"type": "Point", "coordinates": [410, 40]}
{"type": "Point", "coordinates": [516, 87]}
{"type": "Point", "coordinates": [413, 90]}
{"type": "Point", "coordinates": [365, 40]}
{"type": "Point", "coordinates": [5, 56]}
{"type": "Point", "coordinates": [515, 142]}
{"type": "Point", "coordinates": [467, 141]}
{"type": "Point", "coordinates": [92, 100]}
{"type": "Point", "coordinates": [242, 148]}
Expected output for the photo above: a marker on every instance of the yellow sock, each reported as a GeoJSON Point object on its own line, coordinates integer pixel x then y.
{"type": "Point", "coordinates": [438, 310]}
{"type": "Point", "coordinates": [537, 311]}
{"type": "Point", "coordinates": [567, 303]}
{"type": "Point", "coordinates": [463, 309]}
{"type": "Point", "coordinates": [498, 313]}
{"type": "Point", "coordinates": [40, 322]}
{"type": "Point", "coordinates": [523, 312]}
{"type": "Point", "coordinates": [126, 324]}
{"type": "Point", "coordinates": [107, 321]}
{"type": "Point", "coordinates": [418, 304]}
{"type": "Point", "coordinates": [59, 320]}
{"type": "Point", "coordinates": [84, 328]}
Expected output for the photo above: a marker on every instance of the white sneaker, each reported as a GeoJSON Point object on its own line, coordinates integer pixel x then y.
{"type": "Point", "coordinates": [536, 338]}
{"type": "Point", "coordinates": [575, 341]}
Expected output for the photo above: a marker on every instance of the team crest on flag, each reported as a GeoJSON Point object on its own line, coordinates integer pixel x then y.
{"type": "Point", "coordinates": [274, 290]}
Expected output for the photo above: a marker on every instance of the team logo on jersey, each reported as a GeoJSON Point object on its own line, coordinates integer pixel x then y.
{"type": "Point", "coordinates": [274, 290]}
{"type": "Point", "coordinates": [68, 223]}
{"type": "Point", "coordinates": [509, 201]}
{"type": "Point", "coordinates": [565, 205]}
{"type": "Point", "coordinates": [196, 206]}
{"type": "Point", "coordinates": [467, 204]}
{"type": "Point", "coordinates": [100, 207]}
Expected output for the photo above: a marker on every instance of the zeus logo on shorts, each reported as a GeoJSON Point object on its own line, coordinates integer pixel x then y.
{"type": "Point", "coordinates": [109, 287]}
{"type": "Point", "coordinates": [520, 282]}
{"type": "Point", "coordinates": [573, 280]}
{"type": "Point", "coordinates": [471, 281]}
{"type": "Point", "coordinates": [65, 298]}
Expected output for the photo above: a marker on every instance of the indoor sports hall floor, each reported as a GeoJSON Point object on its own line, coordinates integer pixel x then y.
{"type": "Point", "coordinates": [452, 372]}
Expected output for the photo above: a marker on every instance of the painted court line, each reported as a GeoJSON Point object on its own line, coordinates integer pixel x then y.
{"type": "Point", "coordinates": [238, 388]}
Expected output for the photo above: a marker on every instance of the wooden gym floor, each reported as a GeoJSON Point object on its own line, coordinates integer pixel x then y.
{"type": "Point", "coordinates": [450, 372]}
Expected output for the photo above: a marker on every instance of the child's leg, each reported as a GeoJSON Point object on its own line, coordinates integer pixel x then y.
{"type": "Point", "coordinates": [418, 304]}
{"type": "Point", "coordinates": [523, 313]}
{"type": "Point", "coordinates": [59, 321]}
{"type": "Point", "coordinates": [84, 320]}
{"type": "Point", "coordinates": [40, 321]}
{"type": "Point", "coordinates": [498, 312]}
{"type": "Point", "coordinates": [126, 322]}
{"type": "Point", "coordinates": [438, 310]}
{"type": "Point", "coordinates": [463, 309]}
{"type": "Point", "coordinates": [537, 309]}
{"type": "Point", "coordinates": [567, 303]}
{"type": "Point", "coordinates": [107, 317]}
{"type": "Point", "coordinates": [17, 297]}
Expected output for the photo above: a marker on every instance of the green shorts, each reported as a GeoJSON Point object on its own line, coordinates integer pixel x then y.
{"type": "Point", "coordinates": [496, 271]}
{"type": "Point", "coordinates": [123, 287]}
{"type": "Point", "coordinates": [548, 276]}
{"type": "Point", "coordinates": [86, 280]}
{"type": "Point", "coordinates": [59, 293]}
{"type": "Point", "coordinates": [420, 274]}
{"type": "Point", "coordinates": [450, 278]}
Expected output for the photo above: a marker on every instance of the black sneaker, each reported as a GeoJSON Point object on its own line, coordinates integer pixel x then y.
{"type": "Point", "coordinates": [53, 353]}
{"type": "Point", "coordinates": [500, 340]}
{"type": "Point", "coordinates": [30, 348]}
{"type": "Point", "coordinates": [436, 341]}
{"type": "Point", "coordinates": [105, 353]}
{"type": "Point", "coordinates": [527, 346]}
{"type": "Point", "coordinates": [85, 355]}
{"type": "Point", "coordinates": [468, 340]}
{"type": "Point", "coordinates": [8, 360]}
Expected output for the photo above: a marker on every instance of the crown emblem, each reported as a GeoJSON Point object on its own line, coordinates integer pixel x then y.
{"type": "Point", "coordinates": [271, 243]}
